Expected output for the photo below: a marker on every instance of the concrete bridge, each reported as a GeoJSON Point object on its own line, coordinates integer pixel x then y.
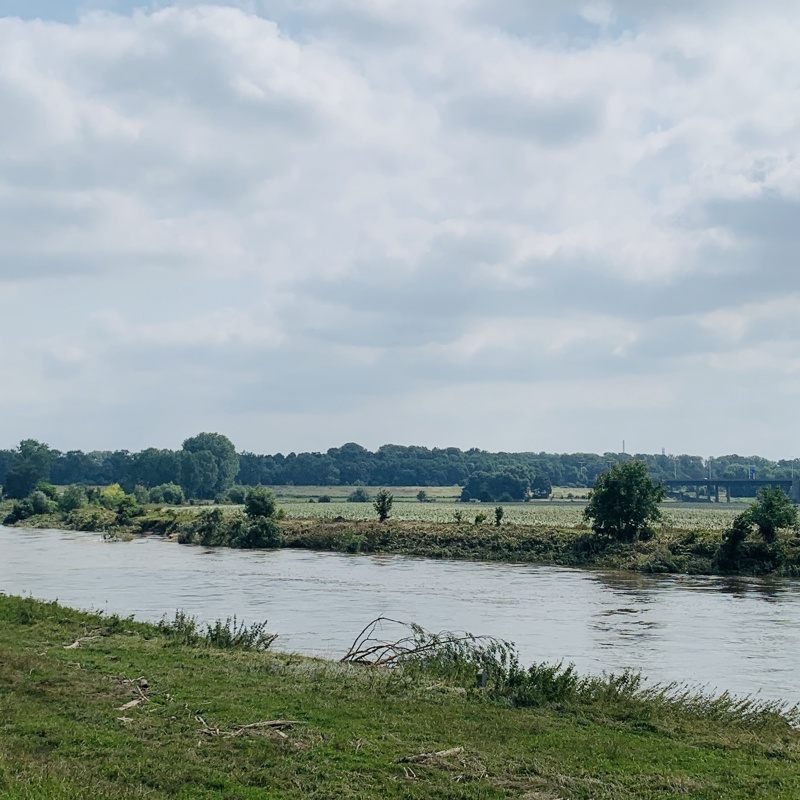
{"type": "Point", "coordinates": [714, 485]}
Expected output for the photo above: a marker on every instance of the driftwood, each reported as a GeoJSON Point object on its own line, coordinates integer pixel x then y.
{"type": "Point", "coordinates": [275, 725]}
{"type": "Point", "coordinates": [423, 757]}
{"type": "Point", "coordinates": [78, 643]}
{"type": "Point", "coordinates": [133, 704]}
{"type": "Point", "coordinates": [139, 684]}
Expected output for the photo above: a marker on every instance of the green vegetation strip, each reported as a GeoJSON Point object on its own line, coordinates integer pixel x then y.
{"type": "Point", "coordinates": [109, 708]}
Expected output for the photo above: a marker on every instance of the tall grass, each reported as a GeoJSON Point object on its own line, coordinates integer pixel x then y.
{"type": "Point", "coordinates": [228, 635]}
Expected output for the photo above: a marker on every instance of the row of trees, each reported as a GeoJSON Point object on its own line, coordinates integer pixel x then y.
{"type": "Point", "coordinates": [208, 465]}
{"type": "Point", "coordinates": [205, 467]}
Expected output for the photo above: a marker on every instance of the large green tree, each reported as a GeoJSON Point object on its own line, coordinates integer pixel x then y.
{"type": "Point", "coordinates": [226, 462]}
{"type": "Point", "coordinates": [624, 501]}
{"type": "Point", "coordinates": [30, 464]}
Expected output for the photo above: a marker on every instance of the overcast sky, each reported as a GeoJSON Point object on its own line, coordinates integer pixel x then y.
{"type": "Point", "coordinates": [510, 224]}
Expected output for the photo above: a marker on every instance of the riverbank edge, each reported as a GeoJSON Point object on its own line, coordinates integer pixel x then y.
{"type": "Point", "coordinates": [669, 551]}
{"type": "Point", "coordinates": [118, 708]}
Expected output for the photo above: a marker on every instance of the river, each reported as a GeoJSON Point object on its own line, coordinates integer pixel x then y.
{"type": "Point", "coordinates": [740, 635]}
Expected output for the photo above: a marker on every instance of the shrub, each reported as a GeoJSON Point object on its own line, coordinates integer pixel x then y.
{"type": "Point", "coordinates": [91, 518]}
{"type": "Point", "coordinates": [771, 510]}
{"type": "Point", "coordinates": [141, 494]}
{"type": "Point", "coordinates": [74, 497]}
{"type": "Point", "coordinates": [324, 498]}
{"type": "Point", "coordinates": [112, 496]}
{"type": "Point", "coordinates": [41, 503]}
{"type": "Point", "coordinates": [167, 493]}
{"type": "Point", "coordinates": [262, 532]}
{"type": "Point", "coordinates": [359, 496]}
{"type": "Point", "coordinates": [48, 490]}
{"type": "Point", "coordinates": [498, 516]}
{"type": "Point", "coordinates": [259, 502]}
{"type": "Point", "coordinates": [237, 494]}
{"type": "Point", "coordinates": [127, 509]}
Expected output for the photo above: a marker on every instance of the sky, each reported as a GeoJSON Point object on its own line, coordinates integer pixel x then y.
{"type": "Point", "coordinates": [506, 224]}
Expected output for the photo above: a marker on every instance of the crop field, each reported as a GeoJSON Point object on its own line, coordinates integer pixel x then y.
{"type": "Point", "coordinates": [549, 514]}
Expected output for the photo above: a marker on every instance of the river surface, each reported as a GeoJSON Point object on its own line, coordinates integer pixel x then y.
{"type": "Point", "coordinates": [740, 635]}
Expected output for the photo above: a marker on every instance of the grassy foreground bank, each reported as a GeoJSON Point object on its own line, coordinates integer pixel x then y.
{"type": "Point", "coordinates": [94, 707]}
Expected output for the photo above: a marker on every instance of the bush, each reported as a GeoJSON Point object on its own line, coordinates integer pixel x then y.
{"type": "Point", "coordinates": [215, 529]}
{"type": "Point", "coordinates": [127, 509]}
{"type": "Point", "coordinates": [167, 493]}
{"type": "Point", "coordinates": [91, 518]}
{"type": "Point", "coordinates": [112, 496]}
{"type": "Point", "coordinates": [20, 511]}
{"type": "Point", "coordinates": [771, 510]}
{"type": "Point", "coordinates": [74, 497]}
{"type": "Point", "coordinates": [41, 503]}
{"type": "Point", "coordinates": [359, 496]}
{"type": "Point", "coordinates": [228, 635]}
{"type": "Point", "coordinates": [259, 502]}
{"type": "Point", "coordinates": [237, 494]}
{"type": "Point", "coordinates": [141, 494]}
{"type": "Point", "coordinates": [324, 498]}
{"type": "Point", "coordinates": [48, 490]}
{"type": "Point", "coordinates": [262, 532]}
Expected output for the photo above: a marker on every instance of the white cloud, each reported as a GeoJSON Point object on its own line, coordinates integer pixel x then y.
{"type": "Point", "coordinates": [363, 195]}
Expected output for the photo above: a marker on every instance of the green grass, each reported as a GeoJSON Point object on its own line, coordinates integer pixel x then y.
{"type": "Point", "coordinates": [62, 734]}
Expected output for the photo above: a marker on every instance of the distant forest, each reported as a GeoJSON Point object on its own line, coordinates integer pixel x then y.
{"type": "Point", "coordinates": [208, 465]}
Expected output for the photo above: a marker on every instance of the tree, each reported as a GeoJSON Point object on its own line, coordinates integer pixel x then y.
{"type": "Point", "coordinates": [29, 465]}
{"type": "Point", "coordinates": [541, 488]}
{"type": "Point", "coordinates": [383, 504]}
{"type": "Point", "coordinates": [624, 501]}
{"type": "Point", "coordinates": [223, 453]}
{"type": "Point", "coordinates": [422, 496]}
{"type": "Point", "coordinates": [771, 510]}
{"type": "Point", "coordinates": [199, 473]}
{"type": "Point", "coordinates": [358, 496]}
{"type": "Point", "coordinates": [259, 502]}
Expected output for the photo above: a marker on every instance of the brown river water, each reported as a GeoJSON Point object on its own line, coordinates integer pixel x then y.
{"type": "Point", "coordinates": [740, 635]}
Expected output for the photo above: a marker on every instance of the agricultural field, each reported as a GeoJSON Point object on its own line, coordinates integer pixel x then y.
{"type": "Point", "coordinates": [556, 513]}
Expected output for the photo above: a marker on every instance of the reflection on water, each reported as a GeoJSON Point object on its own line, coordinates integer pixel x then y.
{"type": "Point", "coordinates": [719, 633]}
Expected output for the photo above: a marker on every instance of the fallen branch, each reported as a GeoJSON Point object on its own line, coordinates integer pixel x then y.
{"type": "Point", "coordinates": [422, 757]}
{"type": "Point", "coordinates": [78, 643]}
{"type": "Point", "coordinates": [133, 704]}
{"type": "Point", "coordinates": [275, 725]}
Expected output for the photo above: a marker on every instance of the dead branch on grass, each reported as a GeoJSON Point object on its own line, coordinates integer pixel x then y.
{"type": "Point", "coordinates": [79, 642]}
{"type": "Point", "coordinates": [423, 757]}
{"type": "Point", "coordinates": [273, 726]}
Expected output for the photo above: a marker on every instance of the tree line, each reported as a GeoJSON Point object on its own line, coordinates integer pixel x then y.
{"type": "Point", "coordinates": [207, 466]}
